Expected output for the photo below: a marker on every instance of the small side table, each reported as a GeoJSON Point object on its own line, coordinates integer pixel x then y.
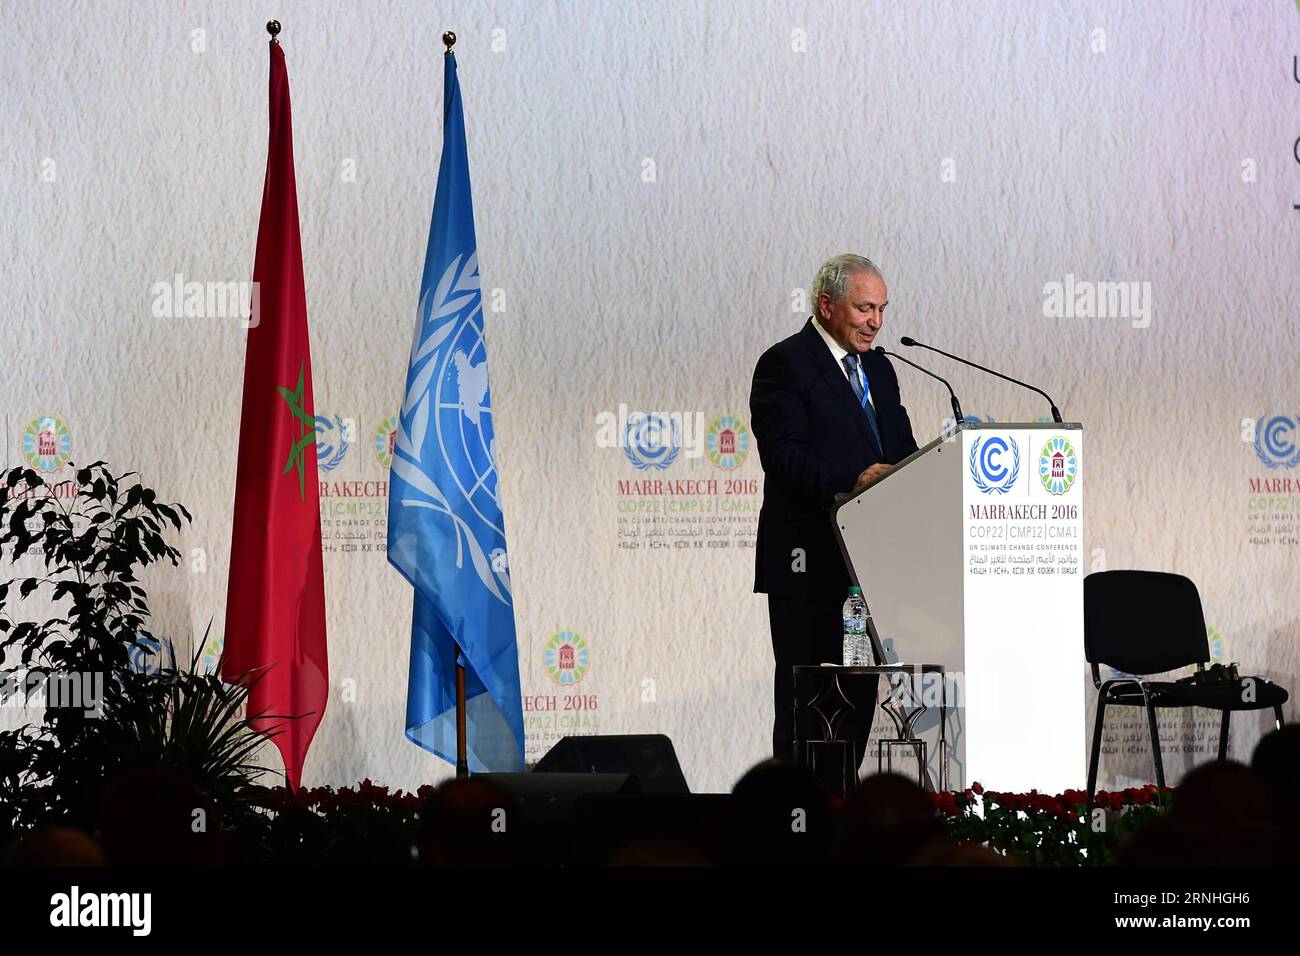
{"type": "Point", "coordinates": [833, 711]}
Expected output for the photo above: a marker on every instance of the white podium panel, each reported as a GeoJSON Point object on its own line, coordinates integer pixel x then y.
{"type": "Point", "coordinates": [970, 555]}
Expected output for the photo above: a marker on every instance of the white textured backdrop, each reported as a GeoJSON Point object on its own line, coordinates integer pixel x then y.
{"type": "Point", "coordinates": [654, 184]}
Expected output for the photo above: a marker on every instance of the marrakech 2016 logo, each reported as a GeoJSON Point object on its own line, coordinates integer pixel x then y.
{"type": "Point", "coordinates": [727, 442]}
{"type": "Point", "coordinates": [1218, 647]}
{"type": "Point", "coordinates": [210, 653]}
{"type": "Point", "coordinates": [47, 443]}
{"type": "Point", "coordinates": [567, 658]}
{"type": "Point", "coordinates": [1058, 465]}
{"type": "Point", "coordinates": [995, 464]}
{"type": "Point", "coordinates": [385, 440]}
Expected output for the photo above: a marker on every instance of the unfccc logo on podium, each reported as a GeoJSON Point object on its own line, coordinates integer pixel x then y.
{"type": "Point", "coordinates": [995, 464]}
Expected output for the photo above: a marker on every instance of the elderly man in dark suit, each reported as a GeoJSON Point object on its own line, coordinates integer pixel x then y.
{"type": "Point", "coordinates": [828, 419]}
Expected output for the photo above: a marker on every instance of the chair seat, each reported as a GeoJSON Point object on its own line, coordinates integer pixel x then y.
{"type": "Point", "coordinates": [1212, 696]}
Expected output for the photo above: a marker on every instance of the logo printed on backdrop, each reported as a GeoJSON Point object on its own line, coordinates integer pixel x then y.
{"type": "Point", "coordinates": [149, 655]}
{"type": "Point", "coordinates": [727, 442]}
{"type": "Point", "coordinates": [1057, 465]}
{"type": "Point", "coordinates": [567, 658]}
{"type": "Point", "coordinates": [654, 441]}
{"type": "Point", "coordinates": [1275, 441]}
{"type": "Point", "coordinates": [687, 513]}
{"type": "Point", "coordinates": [572, 706]}
{"type": "Point", "coordinates": [1273, 503]}
{"type": "Point", "coordinates": [47, 443]}
{"type": "Point", "coordinates": [1218, 647]}
{"type": "Point", "coordinates": [333, 439]}
{"type": "Point", "coordinates": [995, 463]}
{"type": "Point", "coordinates": [210, 655]}
{"type": "Point", "coordinates": [385, 440]}
{"type": "Point", "coordinates": [354, 511]}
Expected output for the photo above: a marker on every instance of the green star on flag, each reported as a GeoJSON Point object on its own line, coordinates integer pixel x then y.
{"type": "Point", "coordinates": [306, 437]}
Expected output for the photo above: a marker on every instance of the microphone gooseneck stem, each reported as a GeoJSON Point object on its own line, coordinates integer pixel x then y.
{"type": "Point", "coordinates": [1056, 412]}
{"type": "Point", "coordinates": [956, 405]}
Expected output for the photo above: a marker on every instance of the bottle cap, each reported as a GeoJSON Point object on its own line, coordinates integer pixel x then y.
{"type": "Point", "coordinates": [855, 590]}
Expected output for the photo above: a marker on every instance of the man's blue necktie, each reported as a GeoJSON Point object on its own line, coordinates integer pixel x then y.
{"type": "Point", "coordinates": [861, 388]}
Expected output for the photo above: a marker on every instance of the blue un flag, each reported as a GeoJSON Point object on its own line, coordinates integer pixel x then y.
{"type": "Point", "coordinates": [445, 528]}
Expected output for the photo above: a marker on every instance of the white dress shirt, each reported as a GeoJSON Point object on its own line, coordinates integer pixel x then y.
{"type": "Point", "coordinates": [838, 352]}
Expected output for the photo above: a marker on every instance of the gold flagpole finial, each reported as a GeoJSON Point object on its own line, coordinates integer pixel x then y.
{"type": "Point", "coordinates": [273, 28]}
{"type": "Point", "coordinates": [449, 39]}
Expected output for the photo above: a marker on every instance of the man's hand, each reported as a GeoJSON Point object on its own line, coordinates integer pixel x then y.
{"type": "Point", "coordinates": [871, 474]}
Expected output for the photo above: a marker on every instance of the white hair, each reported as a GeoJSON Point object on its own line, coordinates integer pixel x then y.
{"type": "Point", "coordinates": [833, 277]}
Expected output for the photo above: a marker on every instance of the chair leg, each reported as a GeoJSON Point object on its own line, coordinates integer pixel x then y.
{"type": "Point", "coordinates": [1277, 715]}
{"type": "Point", "coordinates": [1223, 735]}
{"type": "Point", "coordinates": [1155, 744]}
{"type": "Point", "coordinates": [1094, 761]}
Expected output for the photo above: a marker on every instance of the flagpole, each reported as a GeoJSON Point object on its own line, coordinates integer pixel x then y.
{"type": "Point", "coordinates": [462, 737]}
{"type": "Point", "coordinates": [273, 28]}
{"type": "Point", "coordinates": [462, 749]}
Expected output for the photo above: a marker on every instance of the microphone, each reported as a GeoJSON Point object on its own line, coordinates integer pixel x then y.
{"type": "Point", "coordinates": [956, 405]}
{"type": "Point", "coordinates": [1056, 413]}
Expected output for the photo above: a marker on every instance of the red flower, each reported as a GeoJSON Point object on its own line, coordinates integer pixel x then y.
{"type": "Point", "coordinates": [977, 787]}
{"type": "Point", "coordinates": [944, 802]}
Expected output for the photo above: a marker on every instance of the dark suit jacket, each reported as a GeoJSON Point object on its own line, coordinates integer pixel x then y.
{"type": "Point", "coordinates": [814, 440]}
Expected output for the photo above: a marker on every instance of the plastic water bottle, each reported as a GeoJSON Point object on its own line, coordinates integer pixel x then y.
{"type": "Point", "coordinates": [855, 630]}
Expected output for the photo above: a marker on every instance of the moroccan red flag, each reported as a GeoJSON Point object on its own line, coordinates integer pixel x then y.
{"type": "Point", "coordinates": [275, 605]}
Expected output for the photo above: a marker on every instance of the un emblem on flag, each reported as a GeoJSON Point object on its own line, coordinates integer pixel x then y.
{"type": "Point", "coordinates": [464, 422]}
{"type": "Point", "coordinates": [444, 460]}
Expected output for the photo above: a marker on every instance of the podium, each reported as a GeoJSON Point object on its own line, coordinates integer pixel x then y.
{"type": "Point", "coordinates": [969, 554]}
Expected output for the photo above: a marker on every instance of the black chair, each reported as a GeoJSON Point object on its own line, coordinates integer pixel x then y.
{"type": "Point", "coordinates": [1148, 622]}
